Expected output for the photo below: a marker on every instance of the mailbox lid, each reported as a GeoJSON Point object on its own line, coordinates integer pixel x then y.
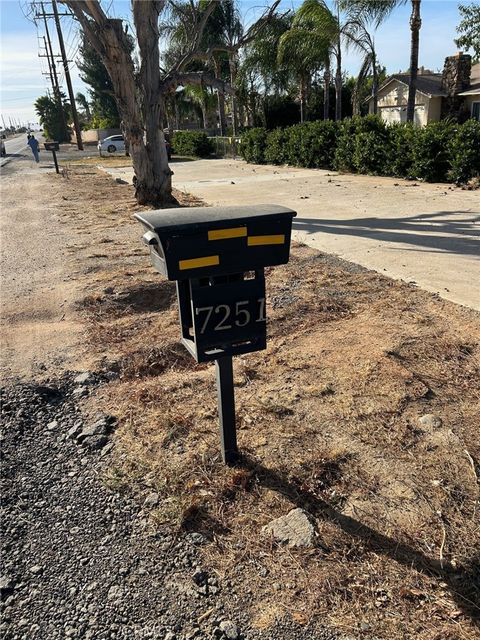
{"type": "Point", "coordinates": [191, 220]}
{"type": "Point", "coordinates": [51, 145]}
{"type": "Point", "coordinates": [216, 240]}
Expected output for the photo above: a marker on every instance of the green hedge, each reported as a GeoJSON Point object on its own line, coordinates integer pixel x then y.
{"type": "Point", "coordinates": [464, 149]}
{"type": "Point", "coordinates": [252, 146]}
{"type": "Point", "coordinates": [441, 151]}
{"type": "Point", "coordinates": [191, 143]}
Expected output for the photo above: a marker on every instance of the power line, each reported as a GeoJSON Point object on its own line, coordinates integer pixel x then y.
{"type": "Point", "coordinates": [76, 122]}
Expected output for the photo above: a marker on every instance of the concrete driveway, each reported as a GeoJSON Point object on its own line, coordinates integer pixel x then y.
{"type": "Point", "coordinates": [427, 234]}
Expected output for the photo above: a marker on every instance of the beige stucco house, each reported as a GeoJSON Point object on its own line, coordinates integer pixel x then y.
{"type": "Point", "coordinates": [454, 92]}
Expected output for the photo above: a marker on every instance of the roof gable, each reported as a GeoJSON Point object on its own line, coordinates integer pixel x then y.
{"type": "Point", "coordinates": [428, 84]}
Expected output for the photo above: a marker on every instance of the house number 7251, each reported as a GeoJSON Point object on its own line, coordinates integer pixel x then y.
{"type": "Point", "coordinates": [238, 314]}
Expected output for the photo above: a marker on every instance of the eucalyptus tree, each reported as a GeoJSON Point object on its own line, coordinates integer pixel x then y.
{"type": "Point", "coordinates": [142, 87]}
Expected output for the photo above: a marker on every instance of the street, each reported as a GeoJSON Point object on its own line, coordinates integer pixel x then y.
{"type": "Point", "coordinates": [15, 147]}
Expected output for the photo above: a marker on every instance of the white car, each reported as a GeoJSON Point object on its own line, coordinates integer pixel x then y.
{"type": "Point", "coordinates": [111, 144]}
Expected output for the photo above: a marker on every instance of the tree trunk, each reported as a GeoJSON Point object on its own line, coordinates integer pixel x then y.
{"type": "Point", "coordinates": [222, 119]}
{"type": "Point", "coordinates": [150, 161]}
{"type": "Point", "coordinates": [338, 85]}
{"type": "Point", "coordinates": [241, 113]}
{"type": "Point", "coordinates": [233, 76]}
{"type": "Point", "coordinates": [415, 25]}
{"type": "Point", "coordinates": [356, 100]}
{"type": "Point", "coordinates": [303, 109]}
{"type": "Point", "coordinates": [140, 105]}
{"type": "Point", "coordinates": [326, 91]}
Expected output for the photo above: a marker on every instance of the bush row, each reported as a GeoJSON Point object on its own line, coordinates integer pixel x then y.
{"type": "Point", "coordinates": [191, 143]}
{"type": "Point", "coordinates": [440, 152]}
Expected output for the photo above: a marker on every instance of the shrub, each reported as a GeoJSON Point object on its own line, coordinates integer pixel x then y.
{"type": "Point", "coordinates": [343, 158]}
{"type": "Point", "coordinates": [275, 147]}
{"type": "Point", "coordinates": [464, 149]}
{"type": "Point", "coordinates": [311, 144]}
{"type": "Point", "coordinates": [400, 159]}
{"type": "Point", "coordinates": [293, 152]}
{"type": "Point", "coordinates": [192, 143]}
{"type": "Point", "coordinates": [438, 152]}
{"type": "Point", "coordinates": [252, 146]}
{"type": "Point", "coordinates": [431, 153]}
{"type": "Point", "coordinates": [353, 135]}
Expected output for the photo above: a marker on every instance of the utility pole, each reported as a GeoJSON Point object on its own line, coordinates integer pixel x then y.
{"type": "Point", "coordinates": [51, 59]}
{"type": "Point", "coordinates": [76, 123]}
{"type": "Point", "coordinates": [50, 72]}
{"type": "Point", "coordinates": [52, 68]}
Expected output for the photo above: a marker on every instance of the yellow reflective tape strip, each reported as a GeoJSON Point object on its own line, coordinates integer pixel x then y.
{"type": "Point", "coordinates": [259, 240]}
{"type": "Point", "coordinates": [224, 234]}
{"type": "Point", "coordinates": [194, 263]}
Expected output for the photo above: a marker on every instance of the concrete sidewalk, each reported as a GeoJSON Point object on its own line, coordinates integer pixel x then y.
{"type": "Point", "coordinates": [427, 234]}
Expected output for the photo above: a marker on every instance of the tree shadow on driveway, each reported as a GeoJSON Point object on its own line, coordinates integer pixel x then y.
{"type": "Point", "coordinates": [421, 230]}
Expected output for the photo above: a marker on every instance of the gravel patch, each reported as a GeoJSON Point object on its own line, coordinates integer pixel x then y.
{"type": "Point", "coordinates": [78, 559]}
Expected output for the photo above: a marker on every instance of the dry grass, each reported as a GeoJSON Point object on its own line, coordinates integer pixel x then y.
{"type": "Point", "coordinates": [327, 420]}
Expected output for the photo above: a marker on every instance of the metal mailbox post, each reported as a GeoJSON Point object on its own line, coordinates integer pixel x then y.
{"type": "Point", "coordinates": [217, 255]}
{"type": "Point", "coordinates": [53, 147]}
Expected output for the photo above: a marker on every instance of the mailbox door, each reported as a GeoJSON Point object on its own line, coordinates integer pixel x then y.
{"type": "Point", "coordinates": [228, 315]}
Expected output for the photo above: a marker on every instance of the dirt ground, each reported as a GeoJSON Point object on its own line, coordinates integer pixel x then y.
{"type": "Point", "coordinates": [328, 420]}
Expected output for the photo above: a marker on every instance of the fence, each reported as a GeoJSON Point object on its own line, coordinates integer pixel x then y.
{"type": "Point", "coordinates": [225, 147]}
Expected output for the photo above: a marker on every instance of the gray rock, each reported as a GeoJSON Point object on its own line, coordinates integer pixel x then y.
{"type": "Point", "coordinates": [73, 432]}
{"type": "Point", "coordinates": [6, 585]}
{"type": "Point", "coordinates": [52, 425]}
{"type": "Point", "coordinates": [115, 592]}
{"type": "Point", "coordinates": [95, 442]}
{"type": "Point", "coordinates": [196, 538]}
{"type": "Point", "coordinates": [229, 629]}
{"type": "Point", "coordinates": [36, 569]}
{"type": "Point", "coordinates": [170, 636]}
{"type": "Point", "coordinates": [80, 392]}
{"type": "Point", "coordinates": [108, 290]}
{"type": "Point", "coordinates": [430, 421]}
{"type": "Point", "coordinates": [86, 377]}
{"type": "Point", "coordinates": [151, 501]}
{"type": "Point", "coordinates": [294, 529]}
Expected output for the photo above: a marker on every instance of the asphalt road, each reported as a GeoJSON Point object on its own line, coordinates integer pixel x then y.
{"type": "Point", "coordinates": [15, 147]}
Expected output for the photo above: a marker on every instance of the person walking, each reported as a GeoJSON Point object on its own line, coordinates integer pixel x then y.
{"type": "Point", "coordinates": [34, 146]}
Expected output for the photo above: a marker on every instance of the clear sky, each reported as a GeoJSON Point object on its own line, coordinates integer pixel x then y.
{"type": "Point", "coordinates": [22, 72]}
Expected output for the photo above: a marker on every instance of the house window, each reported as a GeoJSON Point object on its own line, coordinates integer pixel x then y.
{"type": "Point", "coordinates": [476, 110]}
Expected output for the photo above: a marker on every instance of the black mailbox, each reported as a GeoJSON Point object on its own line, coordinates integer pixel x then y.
{"type": "Point", "coordinates": [217, 255]}
{"type": "Point", "coordinates": [51, 146]}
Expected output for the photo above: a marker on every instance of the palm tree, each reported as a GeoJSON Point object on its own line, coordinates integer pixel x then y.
{"type": "Point", "coordinates": [378, 10]}
{"type": "Point", "coordinates": [325, 29]}
{"type": "Point", "coordinates": [360, 38]}
{"type": "Point", "coordinates": [304, 51]}
{"type": "Point", "coordinates": [260, 61]}
{"type": "Point", "coordinates": [230, 30]}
